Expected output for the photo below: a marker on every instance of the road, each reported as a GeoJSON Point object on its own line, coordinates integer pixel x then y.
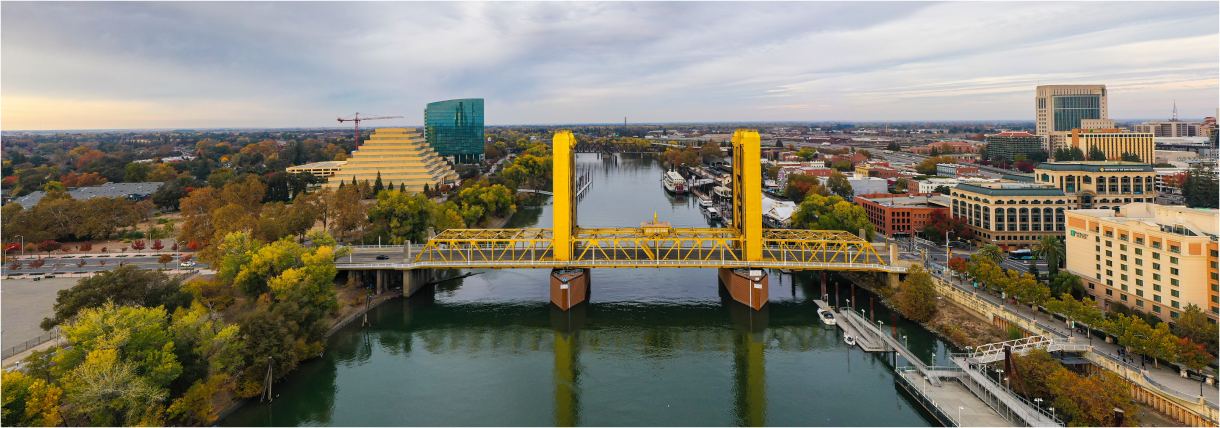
{"type": "Point", "coordinates": [912, 159]}
{"type": "Point", "coordinates": [936, 254]}
{"type": "Point", "coordinates": [93, 264]}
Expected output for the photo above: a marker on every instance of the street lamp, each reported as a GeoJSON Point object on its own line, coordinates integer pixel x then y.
{"type": "Point", "coordinates": [904, 342]}
{"type": "Point", "coordinates": [959, 415]}
{"type": "Point", "coordinates": [22, 244]}
{"type": "Point", "coordinates": [1052, 413]}
{"type": "Point", "coordinates": [947, 254]}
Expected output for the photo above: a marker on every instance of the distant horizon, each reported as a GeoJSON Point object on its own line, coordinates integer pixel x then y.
{"type": "Point", "coordinates": [270, 128]}
{"type": "Point", "coordinates": [208, 65]}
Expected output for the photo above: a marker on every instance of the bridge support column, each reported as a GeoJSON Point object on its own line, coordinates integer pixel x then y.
{"type": "Point", "coordinates": [415, 279]}
{"type": "Point", "coordinates": [380, 280]}
{"type": "Point", "coordinates": [569, 287]}
{"type": "Point", "coordinates": [746, 286]}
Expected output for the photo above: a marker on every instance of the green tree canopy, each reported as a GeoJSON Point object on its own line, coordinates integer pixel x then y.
{"type": "Point", "coordinates": [127, 285]}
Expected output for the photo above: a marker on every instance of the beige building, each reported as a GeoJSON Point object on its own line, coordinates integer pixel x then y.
{"type": "Point", "coordinates": [1115, 142]}
{"type": "Point", "coordinates": [1154, 258]}
{"type": "Point", "coordinates": [318, 169]}
{"type": "Point", "coordinates": [1097, 124]}
{"type": "Point", "coordinates": [1062, 108]}
{"type": "Point", "coordinates": [1171, 128]}
{"type": "Point", "coordinates": [1018, 214]}
{"type": "Point", "coordinates": [401, 155]}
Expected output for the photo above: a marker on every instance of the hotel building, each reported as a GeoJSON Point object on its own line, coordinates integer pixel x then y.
{"type": "Point", "coordinates": [1154, 258]}
{"type": "Point", "coordinates": [1115, 142]}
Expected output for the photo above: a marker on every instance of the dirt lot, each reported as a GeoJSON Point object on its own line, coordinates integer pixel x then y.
{"type": "Point", "coordinates": [963, 327]}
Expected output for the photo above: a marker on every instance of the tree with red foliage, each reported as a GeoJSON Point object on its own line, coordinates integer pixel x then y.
{"type": "Point", "coordinates": [939, 222]}
{"type": "Point", "coordinates": [35, 264]}
{"type": "Point", "coordinates": [1024, 166]}
{"type": "Point", "coordinates": [82, 263]}
{"type": "Point", "coordinates": [174, 247]}
{"type": "Point", "coordinates": [1191, 354]}
{"type": "Point", "coordinates": [958, 264]}
{"type": "Point", "coordinates": [187, 257]}
{"type": "Point", "coordinates": [86, 246]}
{"type": "Point", "coordinates": [194, 245]}
{"type": "Point", "coordinates": [138, 244]}
{"type": "Point", "coordinates": [48, 246]}
{"type": "Point", "coordinates": [157, 245]}
{"type": "Point", "coordinates": [16, 266]}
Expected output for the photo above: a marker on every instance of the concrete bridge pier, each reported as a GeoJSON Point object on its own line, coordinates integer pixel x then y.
{"type": "Point", "coordinates": [415, 279]}
{"type": "Point", "coordinates": [569, 287]}
{"type": "Point", "coordinates": [746, 286]}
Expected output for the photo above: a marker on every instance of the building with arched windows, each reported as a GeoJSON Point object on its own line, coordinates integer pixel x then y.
{"type": "Point", "coordinates": [1018, 214]}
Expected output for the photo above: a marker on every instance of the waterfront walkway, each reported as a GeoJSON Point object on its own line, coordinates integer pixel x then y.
{"type": "Point", "coordinates": [954, 401]}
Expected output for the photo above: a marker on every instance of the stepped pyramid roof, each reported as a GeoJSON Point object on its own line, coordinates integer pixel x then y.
{"type": "Point", "coordinates": [401, 155]}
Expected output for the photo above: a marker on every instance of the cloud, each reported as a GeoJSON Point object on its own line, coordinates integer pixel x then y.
{"type": "Point", "coordinates": [227, 64]}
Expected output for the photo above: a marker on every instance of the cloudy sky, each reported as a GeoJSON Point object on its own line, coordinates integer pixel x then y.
{"type": "Point", "coordinates": [93, 65]}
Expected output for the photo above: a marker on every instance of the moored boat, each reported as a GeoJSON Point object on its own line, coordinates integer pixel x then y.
{"type": "Point", "coordinates": [674, 182]}
{"type": "Point", "coordinates": [826, 316]}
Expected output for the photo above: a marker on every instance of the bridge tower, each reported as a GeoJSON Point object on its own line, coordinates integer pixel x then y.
{"type": "Point", "coordinates": [564, 190]}
{"type": "Point", "coordinates": [747, 192]}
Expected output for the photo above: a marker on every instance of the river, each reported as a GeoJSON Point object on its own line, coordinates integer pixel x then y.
{"type": "Point", "coordinates": [651, 347]}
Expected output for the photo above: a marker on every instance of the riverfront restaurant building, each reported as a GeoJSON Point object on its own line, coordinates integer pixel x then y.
{"type": "Point", "coordinates": [901, 214]}
{"type": "Point", "coordinates": [1154, 258]}
{"type": "Point", "coordinates": [401, 156]}
{"type": "Point", "coordinates": [1100, 184]}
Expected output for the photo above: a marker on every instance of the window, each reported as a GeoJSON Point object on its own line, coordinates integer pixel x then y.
{"type": "Point", "coordinates": [1173, 260]}
{"type": "Point", "coordinates": [1172, 314]}
{"type": "Point", "coordinates": [1122, 247]}
{"type": "Point", "coordinates": [1175, 249]}
{"type": "Point", "coordinates": [1174, 282]}
{"type": "Point", "coordinates": [1156, 245]}
{"type": "Point", "coordinates": [1109, 253]}
{"type": "Point", "coordinates": [1139, 272]}
{"type": "Point", "coordinates": [1123, 297]}
{"type": "Point", "coordinates": [1109, 262]}
{"type": "Point", "coordinates": [1098, 257]}
{"type": "Point", "coordinates": [1109, 243]}
{"type": "Point", "coordinates": [1173, 271]}
{"type": "Point", "coordinates": [1139, 303]}
{"type": "Point", "coordinates": [1139, 251]}
{"type": "Point", "coordinates": [1174, 293]}
{"type": "Point", "coordinates": [1139, 282]}
{"type": "Point", "coordinates": [1139, 262]}
{"type": "Point", "coordinates": [1139, 293]}
{"type": "Point", "coordinates": [1098, 248]}
{"type": "Point", "coordinates": [1215, 265]}
{"type": "Point", "coordinates": [1139, 241]}
{"type": "Point", "coordinates": [1109, 292]}
{"type": "Point", "coordinates": [1122, 267]}
{"type": "Point", "coordinates": [1156, 266]}
{"type": "Point", "coordinates": [1098, 267]}
{"type": "Point", "coordinates": [1124, 287]}
{"type": "Point", "coordinates": [1156, 287]}
{"type": "Point", "coordinates": [1156, 256]}
{"type": "Point", "coordinates": [1156, 298]}
{"type": "Point", "coordinates": [1109, 272]}
{"type": "Point", "coordinates": [1175, 305]}
{"type": "Point", "coordinates": [1156, 277]}
{"type": "Point", "coordinates": [1122, 257]}
{"type": "Point", "coordinates": [1156, 309]}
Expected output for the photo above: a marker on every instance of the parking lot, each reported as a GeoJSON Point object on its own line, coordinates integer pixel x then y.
{"type": "Point", "coordinates": [23, 305]}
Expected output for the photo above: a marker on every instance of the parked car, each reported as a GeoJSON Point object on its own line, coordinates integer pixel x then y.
{"type": "Point", "coordinates": [383, 257]}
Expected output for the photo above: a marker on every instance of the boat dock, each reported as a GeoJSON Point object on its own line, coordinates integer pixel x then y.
{"type": "Point", "coordinates": [864, 338]}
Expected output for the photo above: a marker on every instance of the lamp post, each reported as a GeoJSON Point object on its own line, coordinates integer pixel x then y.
{"type": "Point", "coordinates": [904, 342]}
{"type": "Point", "coordinates": [1052, 413]}
{"type": "Point", "coordinates": [947, 255]}
{"type": "Point", "coordinates": [22, 244]}
{"type": "Point", "coordinates": [1142, 365]}
{"type": "Point", "coordinates": [959, 415]}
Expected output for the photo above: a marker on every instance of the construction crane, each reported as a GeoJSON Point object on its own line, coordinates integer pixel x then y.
{"type": "Point", "coordinates": [356, 118]}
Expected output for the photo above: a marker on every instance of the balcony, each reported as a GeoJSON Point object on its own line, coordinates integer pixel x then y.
{"type": "Point", "coordinates": [1156, 245]}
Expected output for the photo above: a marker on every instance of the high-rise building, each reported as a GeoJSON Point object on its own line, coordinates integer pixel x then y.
{"type": "Point", "coordinates": [1154, 258]}
{"type": "Point", "coordinates": [454, 128]}
{"type": "Point", "coordinates": [1172, 127]}
{"type": "Point", "coordinates": [400, 156]}
{"type": "Point", "coordinates": [1115, 142]}
{"type": "Point", "coordinates": [1005, 146]}
{"type": "Point", "coordinates": [1062, 108]}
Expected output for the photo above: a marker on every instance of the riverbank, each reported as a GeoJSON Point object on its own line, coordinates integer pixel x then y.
{"type": "Point", "coordinates": [228, 403]}
{"type": "Point", "coordinates": [951, 322]}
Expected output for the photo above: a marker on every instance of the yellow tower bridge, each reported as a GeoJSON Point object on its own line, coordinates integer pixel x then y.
{"type": "Point", "coordinates": [741, 252]}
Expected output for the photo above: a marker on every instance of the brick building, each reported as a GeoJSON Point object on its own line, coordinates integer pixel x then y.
{"type": "Point", "coordinates": [904, 214]}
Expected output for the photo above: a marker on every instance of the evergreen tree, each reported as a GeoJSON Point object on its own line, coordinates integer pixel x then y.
{"type": "Point", "coordinates": [1131, 157]}
{"type": "Point", "coordinates": [893, 146]}
{"type": "Point", "coordinates": [402, 187]}
{"type": "Point", "coordinates": [354, 183]}
{"type": "Point", "coordinates": [1077, 154]}
{"type": "Point", "coordinates": [1095, 154]}
{"type": "Point", "coordinates": [377, 185]}
{"type": "Point", "coordinates": [1200, 188]}
{"type": "Point", "coordinates": [425, 188]}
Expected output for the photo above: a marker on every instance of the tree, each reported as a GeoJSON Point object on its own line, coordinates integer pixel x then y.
{"type": "Point", "coordinates": [1191, 354]}
{"type": "Point", "coordinates": [1193, 324]}
{"type": "Point", "coordinates": [165, 258]}
{"type": "Point", "coordinates": [110, 392]}
{"type": "Point", "coordinates": [893, 147]}
{"type": "Point", "coordinates": [157, 245]}
{"type": "Point", "coordinates": [1050, 249]}
{"type": "Point", "coordinates": [838, 184]}
{"type": "Point", "coordinates": [928, 166]}
{"type": "Point", "coordinates": [958, 264]}
{"type": "Point", "coordinates": [916, 298]}
{"type": "Point", "coordinates": [1130, 157]}
{"type": "Point", "coordinates": [940, 222]}
{"type": "Point", "coordinates": [1095, 154]}
{"type": "Point", "coordinates": [901, 185]}
{"type": "Point", "coordinates": [128, 285]}
{"type": "Point", "coordinates": [1200, 187]}
{"type": "Point", "coordinates": [29, 401]}
{"type": "Point", "coordinates": [136, 172]}
{"type": "Point", "coordinates": [48, 246]}
{"type": "Point", "coordinates": [403, 217]}
{"type": "Point", "coordinates": [377, 186]}
{"type": "Point", "coordinates": [711, 150]}
{"type": "Point", "coordinates": [1066, 283]}
{"type": "Point", "coordinates": [818, 212]}
{"type": "Point", "coordinates": [138, 244]}
{"type": "Point", "coordinates": [993, 253]}
{"type": "Point", "coordinates": [942, 189]}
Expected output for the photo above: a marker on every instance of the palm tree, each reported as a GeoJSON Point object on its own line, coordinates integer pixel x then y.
{"type": "Point", "coordinates": [992, 252]}
{"type": "Point", "coordinates": [1050, 248]}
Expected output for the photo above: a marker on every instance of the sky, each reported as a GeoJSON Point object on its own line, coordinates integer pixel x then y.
{"type": "Point", "coordinates": [95, 65]}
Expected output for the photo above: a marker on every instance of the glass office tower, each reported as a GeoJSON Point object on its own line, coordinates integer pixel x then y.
{"type": "Point", "coordinates": [1069, 110]}
{"type": "Point", "coordinates": [454, 128]}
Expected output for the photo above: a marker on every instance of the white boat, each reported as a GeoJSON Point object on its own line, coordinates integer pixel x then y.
{"type": "Point", "coordinates": [705, 202]}
{"type": "Point", "coordinates": [826, 316]}
{"type": "Point", "coordinates": [850, 340]}
{"type": "Point", "coordinates": [712, 213]}
{"type": "Point", "coordinates": [674, 182]}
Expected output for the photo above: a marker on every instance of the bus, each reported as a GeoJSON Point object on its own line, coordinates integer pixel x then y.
{"type": "Point", "coordinates": [1021, 254]}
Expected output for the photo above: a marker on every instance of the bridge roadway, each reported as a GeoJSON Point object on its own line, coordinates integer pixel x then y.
{"type": "Point", "coordinates": [612, 258]}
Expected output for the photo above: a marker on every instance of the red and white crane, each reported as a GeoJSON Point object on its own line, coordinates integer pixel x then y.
{"type": "Point", "coordinates": [356, 118]}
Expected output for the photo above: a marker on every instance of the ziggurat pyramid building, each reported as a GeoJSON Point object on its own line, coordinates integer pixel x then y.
{"type": "Point", "coordinates": [401, 155]}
